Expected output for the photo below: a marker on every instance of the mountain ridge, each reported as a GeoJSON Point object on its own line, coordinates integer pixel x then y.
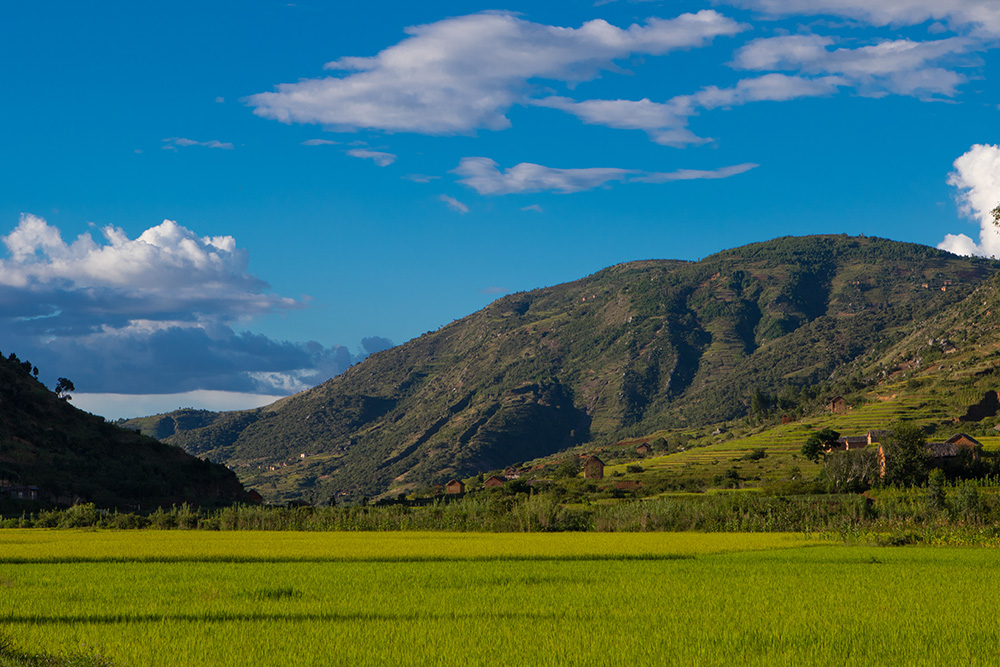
{"type": "Point", "coordinates": [632, 348]}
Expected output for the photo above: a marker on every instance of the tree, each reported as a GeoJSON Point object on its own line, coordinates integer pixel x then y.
{"type": "Point", "coordinates": [996, 215]}
{"type": "Point", "coordinates": [817, 444]}
{"type": "Point", "coordinates": [935, 489]}
{"type": "Point", "coordinates": [567, 469]}
{"type": "Point", "coordinates": [63, 387]}
{"type": "Point", "coordinates": [906, 461]}
{"type": "Point", "coordinates": [851, 471]}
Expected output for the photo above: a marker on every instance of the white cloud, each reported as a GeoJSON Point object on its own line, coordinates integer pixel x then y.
{"type": "Point", "coordinates": [694, 174]}
{"type": "Point", "coordinates": [420, 178]}
{"type": "Point", "coordinates": [533, 207]}
{"type": "Point", "coordinates": [167, 273]}
{"type": "Point", "coordinates": [220, 100]}
{"type": "Point", "coordinates": [977, 177]}
{"type": "Point", "coordinates": [901, 66]}
{"type": "Point", "coordinates": [172, 143]}
{"type": "Point", "coordinates": [378, 157]}
{"type": "Point", "coordinates": [981, 15]}
{"type": "Point", "coordinates": [462, 74]}
{"type": "Point", "coordinates": [454, 204]}
{"type": "Point", "coordinates": [319, 142]}
{"type": "Point", "coordinates": [666, 123]}
{"type": "Point", "coordinates": [484, 176]}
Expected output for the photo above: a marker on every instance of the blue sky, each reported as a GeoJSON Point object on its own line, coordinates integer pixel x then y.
{"type": "Point", "coordinates": [228, 202]}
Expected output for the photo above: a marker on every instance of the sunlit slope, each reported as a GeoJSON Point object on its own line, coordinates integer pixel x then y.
{"type": "Point", "coordinates": [629, 350]}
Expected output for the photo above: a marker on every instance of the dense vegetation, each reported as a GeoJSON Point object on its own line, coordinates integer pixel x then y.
{"type": "Point", "coordinates": [64, 455]}
{"type": "Point", "coordinates": [755, 331]}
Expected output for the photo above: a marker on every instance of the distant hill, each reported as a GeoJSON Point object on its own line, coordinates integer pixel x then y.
{"type": "Point", "coordinates": [631, 349]}
{"type": "Point", "coordinates": [68, 455]}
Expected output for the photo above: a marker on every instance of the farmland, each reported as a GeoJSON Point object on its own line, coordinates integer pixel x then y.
{"type": "Point", "coordinates": [197, 598]}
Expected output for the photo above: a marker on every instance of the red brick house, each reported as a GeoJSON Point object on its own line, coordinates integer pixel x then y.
{"type": "Point", "coordinates": [493, 482]}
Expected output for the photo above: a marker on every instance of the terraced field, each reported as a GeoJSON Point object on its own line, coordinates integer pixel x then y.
{"type": "Point", "coordinates": [783, 444]}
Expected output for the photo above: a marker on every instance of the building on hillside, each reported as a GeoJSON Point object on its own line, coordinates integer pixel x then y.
{"type": "Point", "coordinates": [786, 419]}
{"type": "Point", "coordinates": [21, 492]}
{"type": "Point", "coordinates": [876, 436]}
{"type": "Point", "coordinates": [511, 472]}
{"type": "Point", "coordinates": [593, 468]}
{"type": "Point", "coordinates": [493, 481]}
{"type": "Point", "coordinates": [850, 442]}
{"type": "Point", "coordinates": [967, 442]}
{"type": "Point", "coordinates": [455, 486]}
{"type": "Point", "coordinates": [253, 497]}
{"type": "Point", "coordinates": [837, 405]}
{"type": "Point", "coordinates": [957, 451]}
{"type": "Point", "coordinates": [643, 449]}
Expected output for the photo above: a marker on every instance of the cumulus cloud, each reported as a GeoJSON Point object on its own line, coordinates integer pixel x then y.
{"type": "Point", "coordinates": [977, 178]}
{"type": "Point", "coordinates": [454, 204]}
{"type": "Point", "coordinates": [485, 177]}
{"type": "Point", "coordinates": [461, 74]}
{"type": "Point", "coordinates": [666, 122]}
{"type": "Point", "coordinates": [978, 15]}
{"type": "Point", "coordinates": [167, 273]}
{"type": "Point", "coordinates": [378, 157]}
{"type": "Point", "coordinates": [172, 143]}
{"type": "Point", "coordinates": [153, 314]}
{"type": "Point", "coordinates": [901, 66]}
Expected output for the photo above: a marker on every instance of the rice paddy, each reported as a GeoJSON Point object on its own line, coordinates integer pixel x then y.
{"type": "Point", "coordinates": [177, 598]}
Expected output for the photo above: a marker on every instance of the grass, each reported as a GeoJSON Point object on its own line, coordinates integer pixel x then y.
{"type": "Point", "coordinates": [441, 598]}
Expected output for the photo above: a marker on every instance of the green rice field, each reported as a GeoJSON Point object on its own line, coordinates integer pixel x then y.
{"type": "Point", "coordinates": [253, 598]}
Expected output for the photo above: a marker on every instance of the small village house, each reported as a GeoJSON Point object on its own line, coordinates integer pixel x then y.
{"type": "Point", "coordinates": [593, 468]}
{"type": "Point", "coordinates": [643, 449]}
{"type": "Point", "coordinates": [455, 486]}
{"type": "Point", "coordinates": [837, 405]}
{"type": "Point", "coordinates": [493, 481]}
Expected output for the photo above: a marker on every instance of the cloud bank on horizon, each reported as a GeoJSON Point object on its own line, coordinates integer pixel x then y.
{"type": "Point", "coordinates": [115, 313]}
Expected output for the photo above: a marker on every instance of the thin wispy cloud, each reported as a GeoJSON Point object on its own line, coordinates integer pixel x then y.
{"type": "Point", "coordinates": [533, 207]}
{"type": "Point", "coordinates": [462, 74]}
{"type": "Point", "coordinates": [420, 178]}
{"type": "Point", "coordinates": [485, 177]}
{"type": "Point", "coordinates": [378, 157]}
{"type": "Point", "coordinates": [900, 67]}
{"type": "Point", "coordinates": [173, 143]}
{"type": "Point", "coordinates": [454, 204]}
{"type": "Point", "coordinates": [978, 15]}
{"type": "Point", "coordinates": [319, 142]}
{"type": "Point", "coordinates": [666, 122]}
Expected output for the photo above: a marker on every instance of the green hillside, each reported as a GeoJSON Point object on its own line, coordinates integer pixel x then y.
{"type": "Point", "coordinates": [68, 456]}
{"type": "Point", "coordinates": [633, 349]}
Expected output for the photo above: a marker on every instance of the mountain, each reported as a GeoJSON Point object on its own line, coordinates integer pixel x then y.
{"type": "Point", "coordinates": [70, 455]}
{"type": "Point", "coordinates": [631, 349]}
